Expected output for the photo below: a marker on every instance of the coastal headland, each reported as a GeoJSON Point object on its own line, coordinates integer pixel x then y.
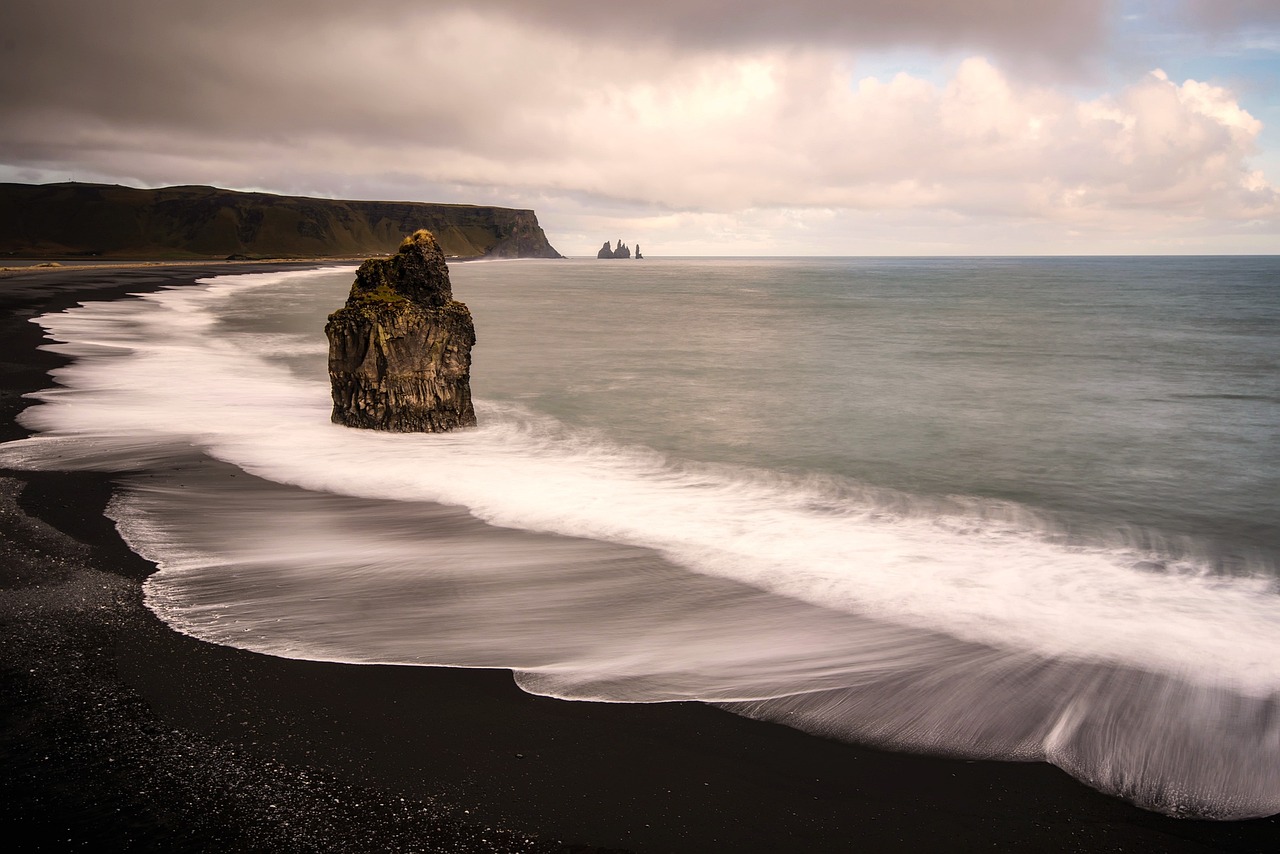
{"type": "Point", "coordinates": [106, 221]}
{"type": "Point", "coordinates": [121, 734]}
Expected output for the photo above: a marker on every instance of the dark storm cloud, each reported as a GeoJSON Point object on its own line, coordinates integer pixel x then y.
{"type": "Point", "coordinates": [1059, 28]}
{"type": "Point", "coordinates": [226, 68]}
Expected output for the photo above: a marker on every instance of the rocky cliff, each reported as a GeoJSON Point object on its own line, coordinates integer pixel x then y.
{"type": "Point", "coordinates": [400, 349]}
{"type": "Point", "coordinates": [99, 220]}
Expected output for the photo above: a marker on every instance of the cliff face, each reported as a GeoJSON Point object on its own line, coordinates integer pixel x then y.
{"type": "Point", "coordinates": [400, 349]}
{"type": "Point", "coordinates": [100, 220]}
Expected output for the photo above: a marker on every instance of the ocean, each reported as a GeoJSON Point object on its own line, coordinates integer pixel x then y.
{"type": "Point", "coordinates": [1011, 508]}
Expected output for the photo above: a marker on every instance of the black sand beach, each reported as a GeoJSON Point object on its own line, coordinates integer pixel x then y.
{"type": "Point", "coordinates": [120, 734]}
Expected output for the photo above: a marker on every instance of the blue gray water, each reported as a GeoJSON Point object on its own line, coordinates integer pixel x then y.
{"type": "Point", "coordinates": [1011, 508]}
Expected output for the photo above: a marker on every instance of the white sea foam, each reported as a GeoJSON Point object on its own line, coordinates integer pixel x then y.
{"type": "Point", "coordinates": [984, 581]}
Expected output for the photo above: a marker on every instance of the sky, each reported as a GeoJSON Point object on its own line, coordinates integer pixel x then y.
{"type": "Point", "coordinates": [690, 127]}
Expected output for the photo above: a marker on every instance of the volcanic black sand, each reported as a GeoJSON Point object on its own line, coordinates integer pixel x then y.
{"type": "Point", "coordinates": [119, 734]}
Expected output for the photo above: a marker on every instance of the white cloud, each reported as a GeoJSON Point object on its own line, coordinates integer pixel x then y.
{"type": "Point", "coordinates": [788, 130]}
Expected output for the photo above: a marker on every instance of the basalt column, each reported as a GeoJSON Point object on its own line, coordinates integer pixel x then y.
{"type": "Point", "coordinates": [400, 349]}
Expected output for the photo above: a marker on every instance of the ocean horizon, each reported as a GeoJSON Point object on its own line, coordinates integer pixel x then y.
{"type": "Point", "coordinates": [1019, 507]}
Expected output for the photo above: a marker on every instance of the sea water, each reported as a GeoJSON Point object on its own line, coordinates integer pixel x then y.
{"type": "Point", "coordinates": [1012, 508]}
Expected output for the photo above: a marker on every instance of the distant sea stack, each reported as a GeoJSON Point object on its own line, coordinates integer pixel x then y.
{"type": "Point", "coordinates": [73, 220]}
{"type": "Point", "coordinates": [400, 349]}
{"type": "Point", "coordinates": [622, 251]}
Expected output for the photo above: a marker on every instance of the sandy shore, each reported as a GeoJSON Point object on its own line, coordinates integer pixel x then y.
{"type": "Point", "coordinates": [119, 734]}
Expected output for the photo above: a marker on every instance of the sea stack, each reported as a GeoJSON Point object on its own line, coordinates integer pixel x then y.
{"type": "Point", "coordinates": [400, 349]}
{"type": "Point", "coordinates": [623, 251]}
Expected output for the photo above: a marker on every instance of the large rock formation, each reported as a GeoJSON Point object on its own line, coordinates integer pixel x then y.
{"type": "Point", "coordinates": [400, 349]}
{"type": "Point", "coordinates": [621, 252]}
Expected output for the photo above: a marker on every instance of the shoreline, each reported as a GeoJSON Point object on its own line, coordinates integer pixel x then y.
{"type": "Point", "coordinates": [122, 733]}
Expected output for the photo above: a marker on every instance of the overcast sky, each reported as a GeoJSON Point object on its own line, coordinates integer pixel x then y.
{"type": "Point", "coordinates": [693, 127]}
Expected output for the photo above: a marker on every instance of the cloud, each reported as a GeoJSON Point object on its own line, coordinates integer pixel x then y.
{"type": "Point", "coordinates": [1218, 15]}
{"type": "Point", "coordinates": [1060, 29]}
{"type": "Point", "coordinates": [768, 124]}
{"type": "Point", "coordinates": [1057, 29]}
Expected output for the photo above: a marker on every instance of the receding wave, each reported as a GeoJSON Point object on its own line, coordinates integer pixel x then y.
{"type": "Point", "coordinates": [607, 572]}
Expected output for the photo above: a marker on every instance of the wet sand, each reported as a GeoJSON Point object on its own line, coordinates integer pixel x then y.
{"type": "Point", "coordinates": [120, 734]}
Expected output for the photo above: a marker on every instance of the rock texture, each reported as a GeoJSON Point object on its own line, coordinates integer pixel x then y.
{"type": "Point", "coordinates": [400, 349]}
{"type": "Point", "coordinates": [74, 220]}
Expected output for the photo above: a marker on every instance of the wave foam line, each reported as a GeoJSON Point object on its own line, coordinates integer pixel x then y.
{"type": "Point", "coordinates": [153, 371]}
